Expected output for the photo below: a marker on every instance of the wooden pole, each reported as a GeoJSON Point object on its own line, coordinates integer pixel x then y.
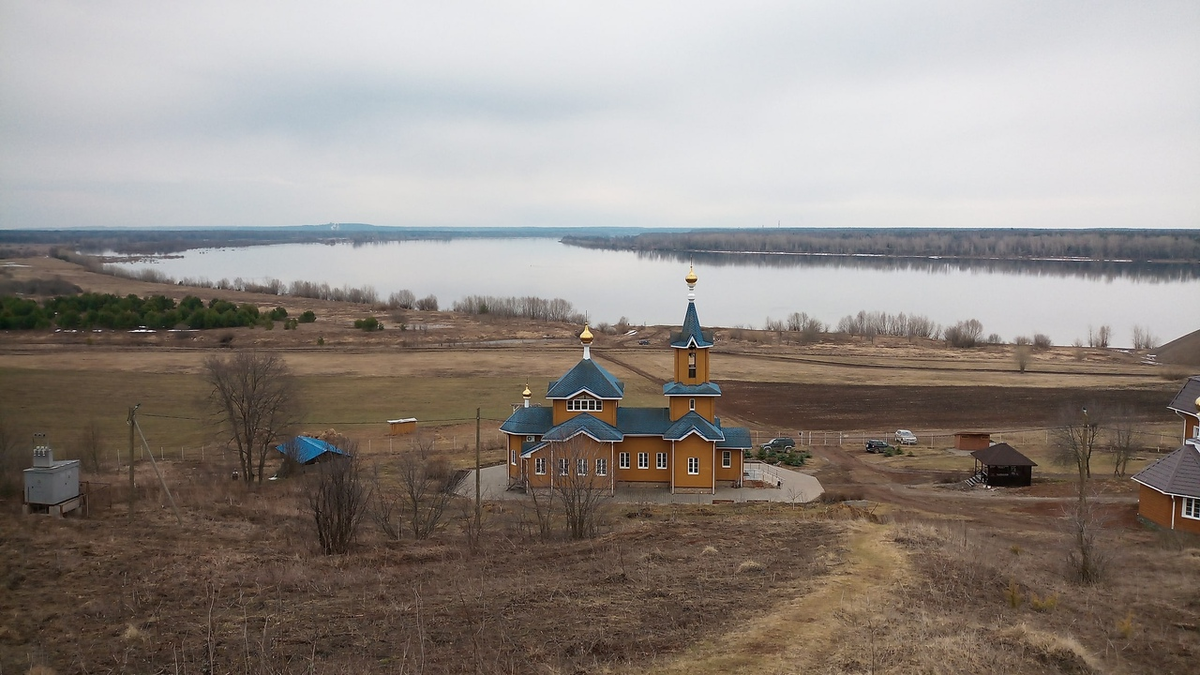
{"type": "Point", "coordinates": [478, 503]}
{"type": "Point", "coordinates": [132, 411]}
{"type": "Point", "coordinates": [162, 482]}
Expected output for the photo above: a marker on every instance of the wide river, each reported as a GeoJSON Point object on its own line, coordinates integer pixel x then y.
{"type": "Point", "coordinates": [1059, 299]}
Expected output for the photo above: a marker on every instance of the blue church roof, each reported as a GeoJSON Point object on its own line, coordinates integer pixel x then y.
{"type": "Point", "coordinates": [643, 421]}
{"type": "Point", "coordinates": [692, 334]}
{"type": "Point", "coordinates": [587, 375]}
{"type": "Point", "coordinates": [525, 421]}
{"type": "Point", "coordinates": [736, 438]}
{"type": "Point", "coordinates": [304, 449]}
{"type": "Point", "coordinates": [703, 389]}
{"type": "Point", "coordinates": [693, 423]}
{"type": "Point", "coordinates": [586, 424]}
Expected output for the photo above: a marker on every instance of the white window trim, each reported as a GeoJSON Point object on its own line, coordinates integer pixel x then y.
{"type": "Point", "coordinates": [1190, 504]}
{"type": "Point", "coordinates": [512, 455]}
{"type": "Point", "coordinates": [643, 460]}
{"type": "Point", "coordinates": [726, 459]}
{"type": "Point", "coordinates": [623, 460]}
{"type": "Point", "coordinates": [660, 461]}
{"type": "Point", "coordinates": [581, 467]}
{"type": "Point", "coordinates": [692, 404]}
{"type": "Point", "coordinates": [539, 466]}
{"type": "Point", "coordinates": [601, 467]}
{"type": "Point", "coordinates": [564, 466]}
{"type": "Point", "coordinates": [693, 466]}
{"type": "Point", "coordinates": [585, 404]}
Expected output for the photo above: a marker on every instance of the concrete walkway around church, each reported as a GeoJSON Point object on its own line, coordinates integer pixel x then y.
{"type": "Point", "coordinates": [794, 486]}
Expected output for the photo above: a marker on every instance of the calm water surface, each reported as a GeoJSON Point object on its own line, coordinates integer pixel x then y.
{"type": "Point", "coordinates": [732, 291]}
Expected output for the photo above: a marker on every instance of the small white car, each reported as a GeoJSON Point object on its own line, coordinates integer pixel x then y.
{"type": "Point", "coordinates": [905, 437]}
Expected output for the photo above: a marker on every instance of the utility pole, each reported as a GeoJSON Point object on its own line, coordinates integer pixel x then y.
{"type": "Point", "coordinates": [478, 503]}
{"type": "Point", "coordinates": [132, 412]}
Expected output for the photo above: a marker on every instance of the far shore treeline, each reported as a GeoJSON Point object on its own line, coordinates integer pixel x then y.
{"type": "Point", "coordinates": [1149, 245]}
{"type": "Point", "coordinates": [1168, 246]}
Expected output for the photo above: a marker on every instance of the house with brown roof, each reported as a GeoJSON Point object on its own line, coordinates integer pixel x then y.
{"type": "Point", "coordinates": [1169, 495]}
{"type": "Point", "coordinates": [1186, 404]}
{"type": "Point", "coordinates": [1001, 465]}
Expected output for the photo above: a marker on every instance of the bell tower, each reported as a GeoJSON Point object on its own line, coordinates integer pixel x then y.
{"type": "Point", "coordinates": [692, 391]}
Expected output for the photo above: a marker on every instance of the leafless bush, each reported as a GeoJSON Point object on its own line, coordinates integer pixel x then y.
{"type": "Point", "coordinates": [402, 299]}
{"type": "Point", "coordinates": [1022, 340]}
{"type": "Point", "coordinates": [1120, 435]}
{"type": "Point", "coordinates": [994, 339]}
{"type": "Point", "coordinates": [428, 303]}
{"type": "Point", "coordinates": [580, 491]}
{"type": "Point", "coordinates": [964, 333]}
{"type": "Point", "coordinates": [91, 445]}
{"type": "Point", "coordinates": [337, 500]}
{"type": "Point", "coordinates": [1021, 357]}
{"type": "Point", "coordinates": [1042, 341]}
{"type": "Point", "coordinates": [427, 486]}
{"type": "Point", "coordinates": [1143, 339]}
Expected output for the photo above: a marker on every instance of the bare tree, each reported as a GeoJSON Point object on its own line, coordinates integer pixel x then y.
{"type": "Point", "coordinates": [580, 486]}
{"type": "Point", "coordinates": [427, 485]}
{"type": "Point", "coordinates": [255, 398]}
{"type": "Point", "coordinates": [1121, 433]}
{"type": "Point", "coordinates": [91, 445]}
{"type": "Point", "coordinates": [1143, 338]}
{"type": "Point", "coordinates": [337, 500]}
{"type": "Point", "coordinates": [1075, 441]}
{"type": "Point", "coordinates": [1021, 356]}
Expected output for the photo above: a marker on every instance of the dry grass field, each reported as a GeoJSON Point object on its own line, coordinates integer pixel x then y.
{"type": "Point", "coordinates": [913, 576]}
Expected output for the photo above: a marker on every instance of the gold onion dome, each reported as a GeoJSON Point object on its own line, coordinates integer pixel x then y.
{"type": "Point", "coordinates": [586, 336]}
{"type": "Point", "coordinates": [1198, 403]}
{"type": "Point", "coordinates": [691, 277]}
{"type": "Point", "coordinates": [527, 393]}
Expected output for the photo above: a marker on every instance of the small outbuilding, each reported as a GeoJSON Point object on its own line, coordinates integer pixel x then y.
{"type": "Point", "coordinates": [306, 450]}
{"type": "Point", "coordinates": [400, 427]}
{"type": "Point", "coordinates": [1001, 465]}
{"type": "Point", "coordinates": [1169, 495]}
{"type": "Point", "coordinates": [972, 440]}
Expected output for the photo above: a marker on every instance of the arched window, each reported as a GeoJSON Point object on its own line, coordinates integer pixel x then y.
{"type": "Point", "coordinates": [692, 363]}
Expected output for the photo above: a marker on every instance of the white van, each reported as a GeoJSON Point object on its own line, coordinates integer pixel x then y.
{"type": "Point", "coordinates": [905, 437]}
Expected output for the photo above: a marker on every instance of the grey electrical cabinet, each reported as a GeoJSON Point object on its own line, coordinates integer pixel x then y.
{"type": "Point", "coordinates": [49, 482]}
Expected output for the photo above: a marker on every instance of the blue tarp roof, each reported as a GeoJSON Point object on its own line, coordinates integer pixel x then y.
{"type": "Point", "coordinates": [304, 449]}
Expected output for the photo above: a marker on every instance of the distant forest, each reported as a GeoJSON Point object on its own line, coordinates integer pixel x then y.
{"type": "Point", "coordinates": [162, 241]}
{"type": "Point", "coordinates": [1097, 245]}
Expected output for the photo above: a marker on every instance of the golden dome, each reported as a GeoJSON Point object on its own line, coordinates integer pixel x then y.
{"type": "Point", "coordinates": [527, 393]}
{"type": "Point", "coordinates": [1198, 403]}
{"type": "Point", "coordinates": [586, 336]}
{"type": "Point", "coordinates": [691, 277]}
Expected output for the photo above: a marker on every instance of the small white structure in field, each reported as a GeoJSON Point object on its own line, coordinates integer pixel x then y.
{"type": "Point", "coordinates": [51, 487]}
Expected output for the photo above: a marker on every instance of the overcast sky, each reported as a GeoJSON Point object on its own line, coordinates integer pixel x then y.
{"type": "Point", "coordinates": [684, 114]}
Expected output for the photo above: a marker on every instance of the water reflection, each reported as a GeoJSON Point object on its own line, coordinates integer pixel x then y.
{"type": "Point", "coordinates": [1084, 269]}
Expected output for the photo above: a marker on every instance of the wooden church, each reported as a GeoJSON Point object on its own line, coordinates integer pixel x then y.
{"type": "Point", "coordinates": [586, 437]}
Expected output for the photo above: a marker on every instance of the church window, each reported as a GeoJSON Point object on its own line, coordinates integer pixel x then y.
{"type": "Point", "coordinates": [692, 363]}
{"type": "Point", "coordinates": [661, 460]}
{"type": "Point", "coordinates": [623, 460]}
{"type": "Point", "coordinates": [693, 465]}
{"type": "Point", "coordinates": [581, 466]}
{"type": "Point", "coordinates": [539, 466]}
{"type": "Point", "coordinates": [585, 403]}
{"type": "Point", "coordinates": [564, 466]}
{"type": "Point", "coordinates": [643, 460]}
{"type": "Point", "coordinates": [601, 467]}
{"type": "Point", "coordinates": [691, 404]}
{"type": "Point", "coordinates": [726, 459]}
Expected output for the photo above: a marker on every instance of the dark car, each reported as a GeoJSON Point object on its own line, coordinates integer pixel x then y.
{"type": "Point", "coordinates": [876, 445]}
{"type": "Point", "coordinates": [781, 444]}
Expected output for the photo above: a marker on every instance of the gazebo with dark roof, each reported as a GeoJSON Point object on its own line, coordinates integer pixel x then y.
{"type": "Point", "coordinates": [1002, 465]}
